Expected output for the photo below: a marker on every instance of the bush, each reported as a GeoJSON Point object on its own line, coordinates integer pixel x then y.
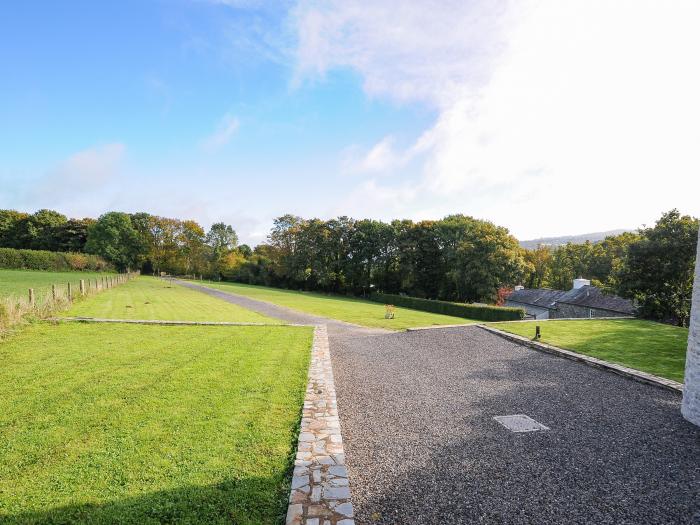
{"type": "Point", "coordinates": [468, 311]}
{"type": "Point", "coordinates": [11, 259]}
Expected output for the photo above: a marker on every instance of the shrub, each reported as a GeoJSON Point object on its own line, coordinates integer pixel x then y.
{"type": "Point", "coordinates": [11, 259]}
{"type": "Point", "coordinates": [77, 261]}
{"type": "Point", "coordinates": [468, 311]}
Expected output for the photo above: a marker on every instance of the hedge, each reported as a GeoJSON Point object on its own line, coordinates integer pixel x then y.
{"type": "Point", "coordinates": [468, 311]}
{"type": "Point", "coordinates": [11, 259]}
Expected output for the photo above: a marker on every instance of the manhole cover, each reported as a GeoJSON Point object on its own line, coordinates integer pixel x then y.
{"type": "Point", "coordinates": [520, 423]}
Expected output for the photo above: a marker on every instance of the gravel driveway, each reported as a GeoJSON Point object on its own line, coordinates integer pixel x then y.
{"type": "Point", "coordinates": [422, 447]}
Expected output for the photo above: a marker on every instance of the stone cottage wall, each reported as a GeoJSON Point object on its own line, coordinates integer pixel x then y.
{"type": "Point", "coordinates": [691, 389]}
{"type": "Point", "coordinates": [565, 311]}
{"type": "Point", "coordinates": [539, 313]}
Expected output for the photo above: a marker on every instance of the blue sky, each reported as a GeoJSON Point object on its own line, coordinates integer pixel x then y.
{"type": "Point", "coordinates": [245, 110]}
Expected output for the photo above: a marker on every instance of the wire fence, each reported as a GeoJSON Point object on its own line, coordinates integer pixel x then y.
{"type": "Point", "coordinates": [44, 301]}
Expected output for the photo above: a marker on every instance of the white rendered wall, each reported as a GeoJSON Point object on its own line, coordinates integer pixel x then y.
{"type": "Point", "coordinates": [691, 389]}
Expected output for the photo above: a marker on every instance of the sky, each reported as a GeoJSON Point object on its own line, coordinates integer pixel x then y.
{"type": "Point", "coordinates": [549, 117]}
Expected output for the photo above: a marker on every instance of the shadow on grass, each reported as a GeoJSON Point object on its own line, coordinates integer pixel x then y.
{"type": "Point", "coordinates": [242, 502]}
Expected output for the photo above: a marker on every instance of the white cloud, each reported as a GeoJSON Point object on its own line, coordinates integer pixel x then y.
{"type": "Point", "coordinates": [382, 158]}
{"type": "Point", "coordinates": [85, 170]}
{"type": "Point", "coordinates": [552, 117]}
{"type": "Point", "coordinates": [226, 129]}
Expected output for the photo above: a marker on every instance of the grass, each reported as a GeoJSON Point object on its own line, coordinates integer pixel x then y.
{"type": "Point", "coordinates": [18, 282]}
{"type": "Point", "coordinates": [149, 424]}
{"type": "Point", "coordinates": [651, 347]}
{"type": "Point", "coordinates": [152, 298]}
{"type": "Point", "coordinates": [351, 310]}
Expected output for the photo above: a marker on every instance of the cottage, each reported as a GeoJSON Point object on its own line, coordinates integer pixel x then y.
{"type": "Point", "coordinates": [582, 301]}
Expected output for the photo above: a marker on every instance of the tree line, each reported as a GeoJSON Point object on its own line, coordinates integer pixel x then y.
{"type": "Point", "coordinates": [142, 241]}
{"type": "Point", "coordinates": [458, 258]}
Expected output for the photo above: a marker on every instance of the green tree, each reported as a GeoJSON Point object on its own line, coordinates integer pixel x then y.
{"type": "Point", "coordinates": [539, 263]}
{"type": "Point", "coordinates": [10, 221]}
{"type": "Point", "coordinates": [71, 236]}
{"type": "Point", "coordinates": [38, 230]}
{"type": "Point", "coordinates": [659, 268]}
{"type": "Point", "coordinates": [113, 237]}
{"type": "Point", "coordinates": [221, 239]}
{"type": "Point", "coordinates": [192, 247]}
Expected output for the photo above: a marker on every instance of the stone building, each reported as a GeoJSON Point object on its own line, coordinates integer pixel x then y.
{"type": "Point", "coordinates": [538, 303]}
{"type": "Point", "coordinates": [691, 387]}
{"type": "Point", "coordinates": [582, 301]}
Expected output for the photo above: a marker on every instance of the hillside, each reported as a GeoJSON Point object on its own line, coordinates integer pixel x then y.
{"type": "Point", "coordinates": [575, 239]}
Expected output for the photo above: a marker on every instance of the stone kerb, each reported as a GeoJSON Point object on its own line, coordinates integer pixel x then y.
{"type": "Point", "coordinates": [320, 493]}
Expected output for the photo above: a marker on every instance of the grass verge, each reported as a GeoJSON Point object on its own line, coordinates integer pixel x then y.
{"type": "Point", "coordinates": [153, 298]}
{"type": "Point", "coordinates": [18, 282]}
{"type": "Point", "coordinates": [149, 424]}
{"type": "Point", "coordinates": [351, 310]}
{"type": "Point", "coordinates": [644, 345]}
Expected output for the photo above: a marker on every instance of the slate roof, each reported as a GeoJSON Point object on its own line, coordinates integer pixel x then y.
{"type": "Point", "coordinates": [542, 297]}
{"type": "Point", "coordinates": [592, 297]}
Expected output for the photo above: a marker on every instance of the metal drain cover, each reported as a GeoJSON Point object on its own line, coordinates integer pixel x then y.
{"type": "Point", "coordinates": [520, 423]}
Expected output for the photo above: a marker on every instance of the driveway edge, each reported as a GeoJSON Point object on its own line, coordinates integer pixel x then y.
{"type": "Point", "coordinates": [320, 492]}
{"type": "Point", "coordinates": [631, 373]}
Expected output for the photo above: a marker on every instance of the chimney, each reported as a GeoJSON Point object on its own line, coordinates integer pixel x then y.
{"type": "Point", "coordinates": [581, 282]}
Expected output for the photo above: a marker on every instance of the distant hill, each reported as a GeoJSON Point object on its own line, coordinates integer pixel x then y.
{"type": "Point", "coordinates": [575, 239]}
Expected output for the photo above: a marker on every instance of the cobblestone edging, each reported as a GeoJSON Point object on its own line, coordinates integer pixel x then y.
{"type": "Point", "coordinates": [631, 373]}
{"type": "Point", "coordinates": [320, 492]}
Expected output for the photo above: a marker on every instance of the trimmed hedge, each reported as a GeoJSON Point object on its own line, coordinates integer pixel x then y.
{"type": "Point", "coordinates": [468, 311]}
{"type": "Point", "coordinates": [11, 259]}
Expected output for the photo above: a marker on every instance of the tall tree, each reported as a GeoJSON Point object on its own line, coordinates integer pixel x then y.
{"type": "Point", "coordinates": [192, 247]}
{"type": "Point", "coordinates": [221, 239]}
{"type": "Point", "coordinates": [37, 231]}
{"type": "Point", "coordinates": [659, 269]}
{"type": "Point", "coordinates": [539, 262]}
{"type": "Point", "coordinates": [71, 236]}
{"type": "Point", "coordinates": [10, 221]}
{"type": "Point", "coordinates": [113, 237]}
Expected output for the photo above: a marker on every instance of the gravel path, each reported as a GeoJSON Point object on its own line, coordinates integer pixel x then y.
{"type": "Point", "coordinates": [335, 327]}
{"type": "Point", "coordinates": [422, 447]}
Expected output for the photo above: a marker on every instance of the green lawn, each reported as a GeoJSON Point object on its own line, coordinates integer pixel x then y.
{"type": "Point", "coordinates": [18, 282]}
{"type": "Point", "coordinates": [357, 311]}
{"type": "Point", "coordinates": [149, 424]}
{"type": "Point", "coordinates": [152, 298]}
{"type": "Point", "coordinates": [651, 347]}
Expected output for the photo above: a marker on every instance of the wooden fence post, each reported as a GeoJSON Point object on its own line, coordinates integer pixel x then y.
{"type": "Point", "coordinates": [70, 292]}
{"type": "Point", "coordinates": [82, 286]}
{"type": "Point", "coordinates": [31, 297]}
{"type": "Point", "coordinates": [53, 292]}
